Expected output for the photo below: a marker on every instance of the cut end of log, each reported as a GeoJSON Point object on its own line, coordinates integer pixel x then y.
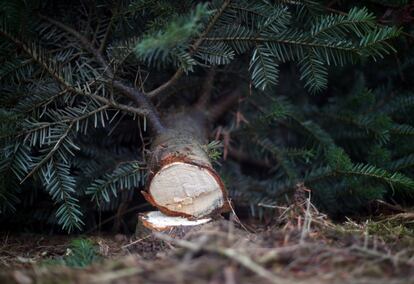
{"type": "Point", "coordinates": [157, 221]}
{"type": "Point", "coordinates": [184, 189]}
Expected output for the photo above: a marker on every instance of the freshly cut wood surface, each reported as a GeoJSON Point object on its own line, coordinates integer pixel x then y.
{"type": "Point", "coordinates": [186, 188]}
{"type": "Point", "coordinates": [156, 221]}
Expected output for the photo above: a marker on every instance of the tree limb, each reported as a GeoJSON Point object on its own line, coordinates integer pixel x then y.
{"type": "Point", "coordinates": [69, 87]}
{"type": "Point", "coordinates": [177, 75]}
{"type": "Point", "coordinates": [132, 93]}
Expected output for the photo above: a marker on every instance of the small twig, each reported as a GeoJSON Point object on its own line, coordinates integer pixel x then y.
{"type": "Point", "coordinates": [136, 241]}
{"type": "Point", "coordinates": [307, 221]}
{"type": "Point", "coordinates": [236, 217]}
{"type": "Point", "coordinates": [271, 206]}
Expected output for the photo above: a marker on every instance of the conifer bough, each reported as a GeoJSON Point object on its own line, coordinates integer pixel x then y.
{"type": "Point", "coordinates": [182, 181]}
{"type": "Point", "coordinates": [90, 57]}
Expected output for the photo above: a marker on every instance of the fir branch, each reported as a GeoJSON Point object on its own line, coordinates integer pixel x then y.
{"type": "Point", "coordinates": [61, 186]}
{"type": "Point", "coordinates": [8, 200]}
{"type": "Point", "coordinates": [215, 54]}
{"type": "Point", "coordinates": [402, 129]}
{"type": "Point", "coordinates": [17, 158]}
{"type": "Point", "coordinates": [264, 70]}
{"type": "Point", "coordinates": [402, 163]}
{"type": "Point", "coordinates": [376, 43]}
{"type": "Point", "coordinates": [304, 43]}
{"type": "Point", "coordinates": [357, 20]}
{"type": "Point", "coordinates": [128, 175]}
{"type": "Point", "coordinates": [323, 7]}
{"type": "Point", "coordinates": [291, 44]}
{"type": "Point", "coordinates": [177, 75]}
{"type": "Point", "coordinates": [68, 86]}
{"type": "Point", "coordinates": [46, 125]}
{"type": "Point", "coordinates": [314, 72]}
{"type": "Point", "coordinates": [278, 155]}
{"type": "Point", "coordinates": [132, 93]}
{"type": "Point", "coordinates": [400, 103]}
{"type": "Point", "coordinates": [362, 170]}
{"type": "Point", "coordinates": [50, 153]}
{"type": "Point", "coordinates": [176, 33]}
{"type": "Point", "coordinates": [379, 125]}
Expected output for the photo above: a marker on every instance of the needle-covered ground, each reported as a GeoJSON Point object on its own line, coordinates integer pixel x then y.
{"type": "Point", "coordinates": [300, 245]}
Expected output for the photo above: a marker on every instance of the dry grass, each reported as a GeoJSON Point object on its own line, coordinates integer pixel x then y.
{"type": "Point", "coordinates": [301, 246]}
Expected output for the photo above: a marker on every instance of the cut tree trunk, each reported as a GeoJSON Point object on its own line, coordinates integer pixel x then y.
{"type": "Point", "coordinates": [181, 180]}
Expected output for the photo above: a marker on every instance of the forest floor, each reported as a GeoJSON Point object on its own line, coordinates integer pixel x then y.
{"type": "Point", "coordinates": [300, 245]}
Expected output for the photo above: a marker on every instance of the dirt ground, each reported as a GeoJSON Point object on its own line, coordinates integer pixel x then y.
{"type": "Point", "coordinates": [300, 245]}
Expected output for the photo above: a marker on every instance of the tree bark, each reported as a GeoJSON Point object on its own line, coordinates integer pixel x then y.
{"type": "Point", "coordinates": [181, 180]}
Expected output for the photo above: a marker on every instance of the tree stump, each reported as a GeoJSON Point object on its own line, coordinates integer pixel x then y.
{"type": "Point", "coordinates": [174, 226]}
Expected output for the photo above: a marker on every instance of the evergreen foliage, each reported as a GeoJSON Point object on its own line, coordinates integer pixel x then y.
{"type": "Point", "coordinates": [81, 253]}
{"type": "Point", "coordinates": [69, 129]}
